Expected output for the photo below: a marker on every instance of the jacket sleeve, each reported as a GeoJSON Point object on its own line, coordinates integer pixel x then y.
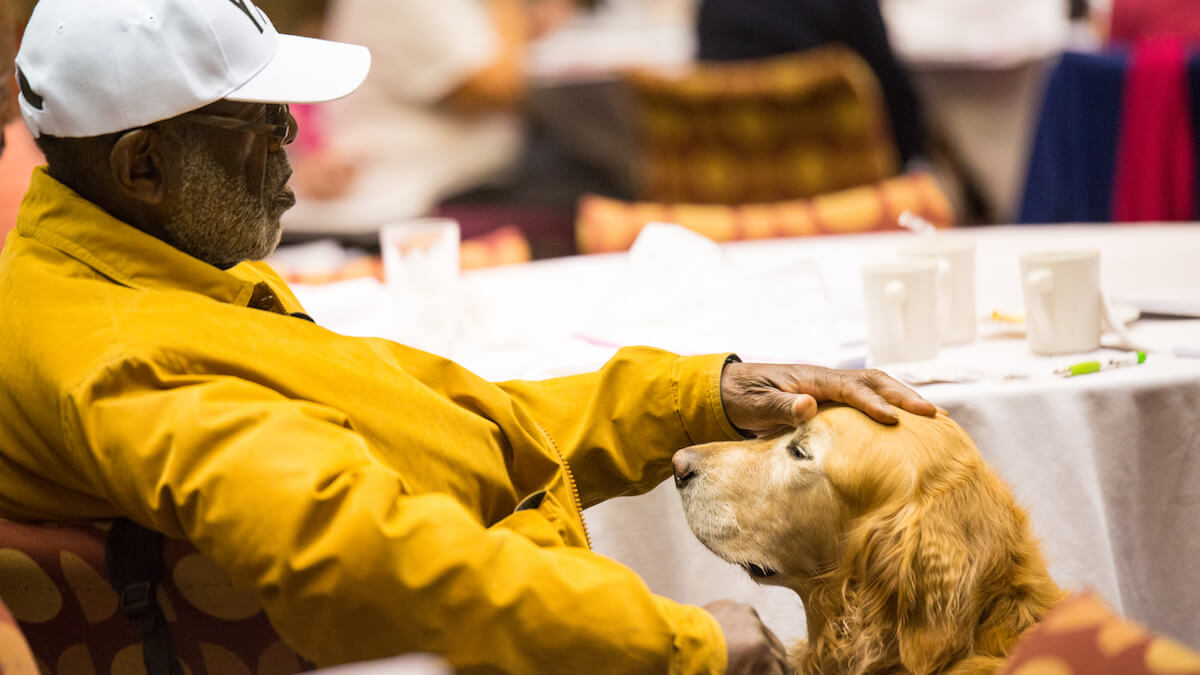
{"type": "Point", "coordinates": [618, 427]}
{"type": "Point", "coordinates": [289, 500]}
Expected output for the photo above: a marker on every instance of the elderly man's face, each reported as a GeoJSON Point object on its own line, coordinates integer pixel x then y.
{"type": "Point", "coordinates": [229, 189]}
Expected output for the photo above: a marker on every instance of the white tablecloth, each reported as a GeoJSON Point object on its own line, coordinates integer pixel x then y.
{"type": "Point", "coordinates": [1108, 465]}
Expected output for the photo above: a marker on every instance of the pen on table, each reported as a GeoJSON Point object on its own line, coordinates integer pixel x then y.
{"type": "Point", "coordinates": [1100, 365]}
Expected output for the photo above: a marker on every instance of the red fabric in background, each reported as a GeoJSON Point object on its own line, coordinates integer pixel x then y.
{"type": "Point", "coordinates": [16, 165]}
{"type": "Point", "coordinates": [1156, 162]}
{"type": "Point", "coordinates": [1136, 20]}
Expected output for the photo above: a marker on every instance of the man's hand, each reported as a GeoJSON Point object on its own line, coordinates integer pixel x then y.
{"type": "Point", "coordinates": [751, 646]}
{"type": "Point", "coordinates": [761, 397]}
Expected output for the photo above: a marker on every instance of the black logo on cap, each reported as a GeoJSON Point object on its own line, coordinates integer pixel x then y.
{"type": "Point", "coordinates": [35, 99]}
{"type": "Point", "coordinates": [241, 4]}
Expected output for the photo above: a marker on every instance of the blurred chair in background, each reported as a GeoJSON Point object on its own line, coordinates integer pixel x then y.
{"type": "Point", "coordinates": [757, 131]}
{"type": "Point", "coordinates": [608, 225]}
{"type": "Point", "coordinates": [729, 30]}
{"type": "Point", "coordinates": [1084, 635]}
{"type": "Point", "coordinates": [55, 581]}
{"type": "Point", "coordinates": [15, 657]}
{"type": "Point", "coordinates": [504, 246]}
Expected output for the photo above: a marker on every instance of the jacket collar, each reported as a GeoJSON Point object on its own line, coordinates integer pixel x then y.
{"type": "Point", "coordinates": [57, 216]}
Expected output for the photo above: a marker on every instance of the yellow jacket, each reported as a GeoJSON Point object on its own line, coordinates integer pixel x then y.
{"type": "Point", "coordinates": [368, 491]}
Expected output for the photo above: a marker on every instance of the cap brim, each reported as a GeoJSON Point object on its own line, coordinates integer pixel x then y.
{"type": "Point", "coordinates": [306, 70]}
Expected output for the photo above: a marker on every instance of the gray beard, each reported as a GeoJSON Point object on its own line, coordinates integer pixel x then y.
{"type": "Point", "coordinates": [216, 218]}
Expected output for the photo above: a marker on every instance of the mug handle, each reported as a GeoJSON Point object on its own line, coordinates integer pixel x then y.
{"type": "Point", "coordinates": [1039, 283]}
{"type": "Point", "coordinates": [944, 298]}
{"type": "Point", "coordinates": [894, 295]}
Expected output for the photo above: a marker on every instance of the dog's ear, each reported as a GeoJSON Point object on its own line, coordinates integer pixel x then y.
{"type": "Point", "coordinates": [937, 602]}
{"type": "Point", "coordinates": [915, 578]}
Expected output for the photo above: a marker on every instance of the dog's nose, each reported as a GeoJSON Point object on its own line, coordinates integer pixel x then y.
{"type": "Point", "coordinates": [683, 462]}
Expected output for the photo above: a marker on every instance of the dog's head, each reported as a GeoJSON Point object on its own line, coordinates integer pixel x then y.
{"type": "Point", "coordinates": [904, 545]}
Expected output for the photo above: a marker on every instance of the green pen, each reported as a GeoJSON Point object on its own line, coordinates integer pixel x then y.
{"type": "Point", "coordinates": [1085, 367]}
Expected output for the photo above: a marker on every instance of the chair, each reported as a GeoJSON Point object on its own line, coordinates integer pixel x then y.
{"type": "Point", "coordinates": [605, 225]}
{"type": "Point", "coordinates": [54, 580]}
{"type": "Point", "coordinates": [1083, 635]}
{"type": "Point", "coordinates": [15, 657]}
{"type": "Point", "coordinates": [760, 131]}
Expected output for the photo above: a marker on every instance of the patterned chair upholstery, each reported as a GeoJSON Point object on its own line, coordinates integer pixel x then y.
{"type": "Point", "coordinates": [54, 581]}
{"type": "Point", "coordinates": [15, 657]}
{"type": "Point", "coordinates": [606, 225]}
{"type": "Point", "coordinates": [760, 131]}
{"type": "Point", "coordinates": [1083, 635]}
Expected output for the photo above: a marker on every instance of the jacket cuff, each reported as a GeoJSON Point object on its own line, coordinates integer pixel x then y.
{"type": "Point", "coordinates": [699, 643]}
{"type": "Point", "coordinates": [697, 385]}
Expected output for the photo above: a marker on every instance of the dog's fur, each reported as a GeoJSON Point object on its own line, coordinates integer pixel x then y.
{"type": "Point", "coordinates": [908, 552]}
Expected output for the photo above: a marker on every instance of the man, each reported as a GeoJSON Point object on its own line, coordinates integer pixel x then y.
{"type": "Point", "coordinates": [379, 499]}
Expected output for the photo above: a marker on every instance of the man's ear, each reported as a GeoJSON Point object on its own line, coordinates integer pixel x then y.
{"type": "Point", "coordinates": [136, 162]}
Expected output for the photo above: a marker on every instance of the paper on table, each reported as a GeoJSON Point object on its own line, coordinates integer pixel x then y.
{"type": "Point", "coordinates": [679, 292]}
{"type": "Point", "coordinates": [1182, 303]}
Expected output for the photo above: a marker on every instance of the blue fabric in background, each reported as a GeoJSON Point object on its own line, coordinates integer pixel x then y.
{"type": "Point", "coordinates": [1072, 166]}
{"type": "Point", "coordinates": [1193, 76]}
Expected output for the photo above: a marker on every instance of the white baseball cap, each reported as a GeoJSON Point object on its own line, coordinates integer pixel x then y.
{"type": "Point", "coordinates": [92, 67]}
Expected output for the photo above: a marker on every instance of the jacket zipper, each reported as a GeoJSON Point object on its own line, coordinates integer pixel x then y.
{"type": "Point", "coordinates": [587, 537]}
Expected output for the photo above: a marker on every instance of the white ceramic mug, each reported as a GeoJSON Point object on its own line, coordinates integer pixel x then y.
{"type": "Point", "coordinates": [1062, 300]}
{"type": "Point", "coordinates": [902, 311]}
{"type": "Point", "coordinates": [955, 285]}
{"type": "Point", "coordinates": [421, 266]}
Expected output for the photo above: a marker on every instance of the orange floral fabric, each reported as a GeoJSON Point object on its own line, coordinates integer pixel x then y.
{"type": "Point", "coordinates": [756, 131]}
{"type": "Point", "coordinates": [606, 225]}
{"type": "Point", "coordinates": [54, 581]}
{"type": "Point", "coordinates": [504, 246]}
{"type": "Point", "coordinates": [1084, 636]}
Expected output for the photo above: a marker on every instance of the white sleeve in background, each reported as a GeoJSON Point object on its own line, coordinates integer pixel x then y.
{"type": "Point", "coordinates": [421, 49]}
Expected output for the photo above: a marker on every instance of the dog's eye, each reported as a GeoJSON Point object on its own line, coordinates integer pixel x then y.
{"type": "Point", "coordinates": [758, 571]}
{"type": "Point", "coordinates": [798, 451]}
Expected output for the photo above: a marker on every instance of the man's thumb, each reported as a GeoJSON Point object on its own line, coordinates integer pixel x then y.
{"type": "Point", "coordinates": [793, 409]}
{"type": "Point", "coordinates": [804, 407]}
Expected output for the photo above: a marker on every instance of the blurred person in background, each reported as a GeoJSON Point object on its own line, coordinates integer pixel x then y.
{"type": "Point", "coordinates": [729, 30]}
{"type": "Point", "coordinates": [437, 119]}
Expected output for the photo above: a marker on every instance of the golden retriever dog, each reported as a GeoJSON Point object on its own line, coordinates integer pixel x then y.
{"type": "Point", "coordinates": [908, 552]}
